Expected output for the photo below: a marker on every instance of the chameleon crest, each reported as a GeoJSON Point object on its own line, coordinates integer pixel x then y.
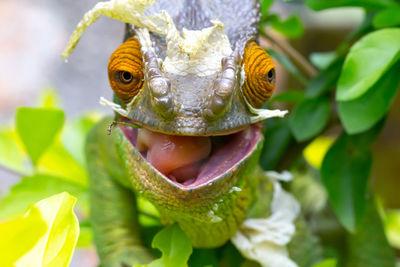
{"type": "Point", "coordinates": [194, 68]}
{"type": "Point", "coordinates": [191, 75]}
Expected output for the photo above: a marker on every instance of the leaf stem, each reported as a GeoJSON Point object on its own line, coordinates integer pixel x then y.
{"type": "Point", "coordinates": [11, 171]}
{"type": "Point", "coordinates": [144, 213]}
{"type": "Point", "coordinates": [298, 59]}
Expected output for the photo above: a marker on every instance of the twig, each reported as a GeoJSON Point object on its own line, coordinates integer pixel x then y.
{"type": "Point", "coordinates": [11, 171]}
{"type": "Point", "coordinates": [297, 58]}
{"type": "Point", "coordinates": [149, 215]}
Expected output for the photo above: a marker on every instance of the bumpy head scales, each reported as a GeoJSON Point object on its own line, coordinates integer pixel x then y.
{"type": "Point", "coordinates": [194, 86]}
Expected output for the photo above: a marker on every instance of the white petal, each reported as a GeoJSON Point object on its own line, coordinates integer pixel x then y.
{"type": "Point", "coordinates": [264, 239]}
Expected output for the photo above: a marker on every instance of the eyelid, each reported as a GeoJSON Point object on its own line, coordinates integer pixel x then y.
{"type": "Point", "coordinates": [257, 87]}
{"type": "Point", "coordinates": [126, 58]}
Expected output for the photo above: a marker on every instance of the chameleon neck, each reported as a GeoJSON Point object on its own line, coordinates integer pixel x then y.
{"type": "Point", "coordinates": [211, 225]}
{"type": "Point", "coordinates": [210, 214]}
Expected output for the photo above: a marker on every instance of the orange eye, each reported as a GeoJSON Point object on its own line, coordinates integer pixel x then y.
{"type": "Point", "coordinates": [260, 75]}
{"type": "Point", "coordinates": [125, 70]}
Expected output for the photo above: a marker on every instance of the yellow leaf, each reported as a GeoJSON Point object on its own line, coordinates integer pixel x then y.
{"type": "Point", "coordinates": [49, 98]}
{"type": "Point", "coordinates": [392, 227]}
{"type": "Point", "coordinates": [18, 236]}
{"type": "Point", "coordinates": [44, 237]}
{"type": "Point", "coordinates": [315, 152]}
{"type": "Point", "coordinates": [57, 161]}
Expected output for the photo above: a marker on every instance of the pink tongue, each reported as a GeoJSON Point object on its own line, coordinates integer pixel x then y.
{"type": "Point", "coordinates": [178, 156]}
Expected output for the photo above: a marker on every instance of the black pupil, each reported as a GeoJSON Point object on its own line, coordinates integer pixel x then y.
{"type": "Point", "coordinates": [126, 77]}
{"type": "Point", "coordinates": [271, 75]}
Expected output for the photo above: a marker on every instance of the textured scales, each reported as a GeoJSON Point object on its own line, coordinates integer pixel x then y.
{"type": "Point", "coordinates": [190, 62]}
{"type": "Point", "coordinates": [257, 64]}
{"type": "Point", "coordinates": [209, 214]}
{"type": "Point", "coordinates": [192, 51]}
{"type": "Point", "coordinates": [126, 58]}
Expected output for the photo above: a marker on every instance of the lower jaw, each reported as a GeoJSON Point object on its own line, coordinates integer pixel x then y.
{"type": "Point", "coordinates": [226, 152]}
{"type": "Point", "coordinates": [217, 205]}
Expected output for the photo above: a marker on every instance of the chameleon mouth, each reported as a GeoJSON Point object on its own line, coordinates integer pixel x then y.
{"type": "Point", "coordinates": [190, 161]}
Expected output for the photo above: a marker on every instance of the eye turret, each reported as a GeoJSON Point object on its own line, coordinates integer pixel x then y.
{"type": "Point", "coordinates": [125, 70]}
{"type": "Point", "coordinates": [260, 75]}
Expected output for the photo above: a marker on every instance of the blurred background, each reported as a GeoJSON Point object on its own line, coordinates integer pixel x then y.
{"type": "Point", "coordinates": [33, 35]}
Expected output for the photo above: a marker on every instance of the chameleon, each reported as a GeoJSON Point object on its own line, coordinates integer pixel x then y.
{"type": "Point", "coordinates": [189, 82]}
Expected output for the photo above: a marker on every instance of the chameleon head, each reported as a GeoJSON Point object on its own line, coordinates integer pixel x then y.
{"type": "Point", "coordinates": [191, 95]}
{"type": "Point", "coordinates": [197, 145]}
{"type": "Point", "coordinates": [194, 82]}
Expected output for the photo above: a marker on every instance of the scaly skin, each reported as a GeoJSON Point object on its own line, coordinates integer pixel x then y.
{"type": "Point", "coordinates": [113, 204]}
{"type": "Point", "coordinates": [114, 213]}
{"type": "Point", "coordinates": [174, 102]}
{"type": "Point", "coordinates": [209, 214]}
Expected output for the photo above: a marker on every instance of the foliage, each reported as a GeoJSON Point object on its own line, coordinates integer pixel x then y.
{"type": "Point", "coordinates": [336, 113]}
{"type": "Point", "coordinates": [355, 84]}
{"type": "Point", "coordinates": [174, 245]}
{"type": "Point", "coordinates": [51, 243]}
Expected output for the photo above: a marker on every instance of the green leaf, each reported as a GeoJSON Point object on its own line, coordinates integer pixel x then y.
{"type": "Point", "coordinates": [56, 161]}
{"type": "Point", "coordinates": [309, 118]}
{"type": "Point", "coordinates": [392, 227]}
{"type": "Point", "coordinates": [326, 263]}
{"type": "Point", "coordinates": [12, 155]}
{"type": "Point", "coordinates": [367, 61]}
{"type": "Point", "coordinates": [288, 65]}
{"type": "Point", "coordinates": [203, 257]}
{"type": "Point", "coordinates": [57, 242]}
{"type": "Point", "coordinates": [85, 236]}
{"type": "Point", "coordinates": [291, 27]}
{"type": "Point", "coordinates": [174, 245]}
{"type": "Point", "coordinates": [371, 4]}
{"type": "Point", "coordinates": [264, 7]}
{"type": "Point", "coordinates": [37, 128]}
{"type": "Point", "coordinates": [290, 96]}
{"type": "Point", "coordinates": [231, 256]}
{"type": "Point", "coordinates": [387, 18]}
{"type": "Point", "coordinates": [368, 246]}
{"type": "Point", "coordinates": [277, 138]}
{"type": "Point", "coordinates": [14, 231]}
{"type": "Point", "coordinates": [364, 112]}
{"type": "Point", "coordinates": [48, 98]}
{"type": "Point", "coordinates": [323, 59]}
{"type": "Point", "coordinates": [148, 213]}
{"type": "Point", "coordinates": [74, 136]}
{"type": "Point", "coordinates": [32, 189]}
{"type": "Point", "coordinates": [325, 80]}
{"type": "Point", "coordinates": [345, 172]}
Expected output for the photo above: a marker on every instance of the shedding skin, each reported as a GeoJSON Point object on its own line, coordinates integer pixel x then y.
{"type": "Point", "coordinates": [178, 79]}
{"type": "Point", "coordinates": [125, 70]}
{"type": "Point", "coordinates": [260, 75]}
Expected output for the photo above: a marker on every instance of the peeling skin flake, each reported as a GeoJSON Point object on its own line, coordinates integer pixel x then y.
{"type": "Point", "coordinates": [117, 108]}
{"type": "Point", "coordinates": [262, 114]}
{"type": "Point", "coordinates": [264, 240]}
{"type": "Point", "coordinates": [259, 114]}
{"type": "Point", "coordinates": [193, 52]}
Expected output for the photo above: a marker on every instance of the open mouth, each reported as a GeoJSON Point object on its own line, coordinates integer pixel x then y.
{"type": "Point", "coordinates": [190, 161]}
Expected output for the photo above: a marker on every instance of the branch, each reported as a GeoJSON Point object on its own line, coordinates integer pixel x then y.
{"type": "Point", "coordinates": [149, 215]}
{"type": "Point", "coordinates": [298, 59]}
{"type": "Point", "coordinates": [11, 171]}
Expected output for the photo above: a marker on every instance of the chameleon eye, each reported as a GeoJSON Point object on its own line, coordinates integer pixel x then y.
{"type": "Point", "coordinates": [125, 70]}
{"type": "Point", "coordinates": [260, 75]}
{"type": "Point", "coordinates": [125, 77]}
{"type": "Point", "coordinates": [271, 76]}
